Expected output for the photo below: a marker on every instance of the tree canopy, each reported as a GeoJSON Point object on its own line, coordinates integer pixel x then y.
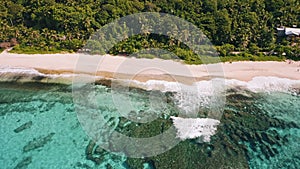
{"type": "Point", "coordinates": [55, 25]}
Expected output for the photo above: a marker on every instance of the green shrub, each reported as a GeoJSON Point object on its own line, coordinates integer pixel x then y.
{"type": "Point", "coordinates": [22, 49]}
{"type": "Point", "coordinates": [254, 49]}
{"type": "Point", "coordinates": [166, 56]}
{"type": "Point", "coordinates": [146, 55]}
{"type": "Point", "coordinates": [225, 50]}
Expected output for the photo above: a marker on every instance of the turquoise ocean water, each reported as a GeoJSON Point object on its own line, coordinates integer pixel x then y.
{"type": "Point", "coordinates": [39, 129]}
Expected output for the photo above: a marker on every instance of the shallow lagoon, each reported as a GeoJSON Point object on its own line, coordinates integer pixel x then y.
{"type": "Point", "coordinates": [40, 129]}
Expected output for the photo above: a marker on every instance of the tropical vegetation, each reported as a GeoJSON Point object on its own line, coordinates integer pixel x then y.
{"type": "Point", "coordinates": [240, 29]}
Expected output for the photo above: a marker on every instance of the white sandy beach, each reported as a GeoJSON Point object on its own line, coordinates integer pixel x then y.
{"type": "Point", "coordinates": [147, 69]}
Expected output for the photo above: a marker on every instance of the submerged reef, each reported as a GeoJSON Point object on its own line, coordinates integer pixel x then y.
{"type": "Point", "coordinates": [23, 164]}
{"type": "Point", "coordinates": [256, 130]}
{"type": "Point", "coordinates": [38, 143]}
{"type": "Point", "coordinates": [23, 127]}
{"type": "Point", "coordinates": [243, 128]}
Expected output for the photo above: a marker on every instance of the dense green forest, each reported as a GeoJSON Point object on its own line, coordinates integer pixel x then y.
{"type": "Point", "coordinates": [247, 26]}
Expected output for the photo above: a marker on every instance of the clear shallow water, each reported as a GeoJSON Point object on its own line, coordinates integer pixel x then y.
{"type": "Point", "coordinates": [286, 107]}
{"type": "Point", "coordinates": [39, 129]}
{"type": "Point", "coordinates": [51, 111]}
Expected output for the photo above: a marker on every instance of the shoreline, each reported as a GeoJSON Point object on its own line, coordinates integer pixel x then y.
{"type": "Point", "coordinates": [143, 70]}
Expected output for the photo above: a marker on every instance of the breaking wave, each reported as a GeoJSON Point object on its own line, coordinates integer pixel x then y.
{"type": "Point", "coordinates": [20, 74]}
{"type": "Point", "coordinates": [267, 84]}
{"type": "Point", "coordinates": [189, 98]}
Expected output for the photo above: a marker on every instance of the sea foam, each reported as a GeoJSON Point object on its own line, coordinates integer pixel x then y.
{"type": "Point", "coordinates": [19, 70]}
{"type": "Point", "coordinates": [189, 98]}
{"type": "Point", "coordinates": [266, 84]}
{"type": "Point", "coordinates": [26, 74]}
{"type": "Point", "coordinates": [191, 128]}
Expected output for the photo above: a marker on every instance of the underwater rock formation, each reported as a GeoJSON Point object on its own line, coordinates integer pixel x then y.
{"type": "Point", "coordinates": [24, 163]}
{"type": "Point", "coordinates": [23, 127]}
{"type": "Point", "coordinates": [37, 143]}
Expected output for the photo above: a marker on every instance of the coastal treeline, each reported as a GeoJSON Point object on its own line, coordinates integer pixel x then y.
{"type": "Point", "coordinates": [235, 27]}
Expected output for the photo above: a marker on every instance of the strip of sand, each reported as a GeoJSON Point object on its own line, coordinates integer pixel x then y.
{"type": "Point", "coordinates": [148, 69]}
